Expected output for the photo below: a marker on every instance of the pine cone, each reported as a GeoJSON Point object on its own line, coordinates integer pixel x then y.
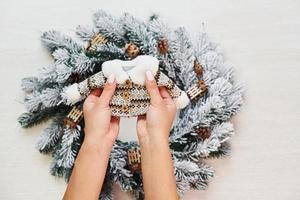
{"type": "Point", "coordinates": [204, 132]}
{"type": "Point", "coordinates": [198, 68]}
{"type": "Point", "coordinates": [132, 50]}
{"type": "Point", "coordinates": [163, 46]}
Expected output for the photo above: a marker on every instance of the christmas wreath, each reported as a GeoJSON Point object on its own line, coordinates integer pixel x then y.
{"type": "Point", "coordinates": [195, 66]}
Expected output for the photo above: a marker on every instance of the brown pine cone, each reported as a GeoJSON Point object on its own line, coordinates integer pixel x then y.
{"type": "Point", "coordinates": [163, 46]}
{"type": "Point", "coordinates": [198, 68]}
{"type": "Point", "coordinates": [204, 132]}
{"type": "Point", "coordinates": [132, 50]}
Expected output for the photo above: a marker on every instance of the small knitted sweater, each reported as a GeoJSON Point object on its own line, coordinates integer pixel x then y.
{"type": "Point", "coordinates": [131, 97]}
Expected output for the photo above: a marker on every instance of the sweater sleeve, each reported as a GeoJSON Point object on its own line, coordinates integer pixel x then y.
{"type": "Point", "coordinates": [180, 97]}
{"type": "Point", "coordinates": [78, 91]}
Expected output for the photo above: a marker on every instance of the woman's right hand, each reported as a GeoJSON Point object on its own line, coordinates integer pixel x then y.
{"type": "Point", "coordinates": [153, 133]}
{"type": "Point", "coordinates": [157, 122]}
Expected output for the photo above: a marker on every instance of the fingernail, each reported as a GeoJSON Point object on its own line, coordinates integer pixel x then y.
{"type": "Point", "coordinates": [111, 78]}
{"type": "Point", "coordinates": [149, 75]}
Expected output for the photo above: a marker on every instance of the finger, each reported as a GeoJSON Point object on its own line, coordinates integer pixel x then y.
{"type": "Point", "coordinates": [115, 120]}
{"type": "Point", "coordinates": [91, 99]}
{"type": "Point", "coordinates": [164, 93]}
{"type": "Point", "coordinates": [141, 126]}
{"type": "Point", "coordinates": [167, 98]}
{"type": "Point", "coordinates": [108, 91]}
{"type": "Point", "coordinates": [89, 103]}
{"type": "Point", "coordinates": [141, 122]}
{"type": "Point", "coordinates": [152, 88]}
{"type": "Point", "coordinates": [141, 118]}
{"type": "Point", "coordinates": [115, 123]}
{"type": "Point", "coordinates": [96, 92]}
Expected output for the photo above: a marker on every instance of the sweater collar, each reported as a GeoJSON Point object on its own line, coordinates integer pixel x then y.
{"type": "Point", "coordinates": [134, 69]}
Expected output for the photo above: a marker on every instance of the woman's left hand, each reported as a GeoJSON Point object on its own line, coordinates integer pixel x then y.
{"type": "Point", "coordinates": [99, 124]}
{"type": "Point", "coordinates": [101, 131]}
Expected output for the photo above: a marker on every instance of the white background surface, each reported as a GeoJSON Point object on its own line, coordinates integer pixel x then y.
{"type": "Point", "coordinates": [262, 38]}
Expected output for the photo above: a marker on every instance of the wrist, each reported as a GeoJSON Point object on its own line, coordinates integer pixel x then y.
{"type": "Point", "coordinates": [93, 151]}
{"type": "Point", "coordinates": [98, 143]}
{"type": "Point", "coordinates": [155, 146]}
{"type": "Point", "coordinates": [155, 140]}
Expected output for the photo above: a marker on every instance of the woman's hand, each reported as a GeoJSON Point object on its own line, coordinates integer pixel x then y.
{"type": "Point", "coordinates": [159, 118]}
{"type": "Point", "coordinates": [99, 124]}
{"type": "Point", "coordinates": [153, 133]}
{"type": "Point", "coordinates": [101, 130]}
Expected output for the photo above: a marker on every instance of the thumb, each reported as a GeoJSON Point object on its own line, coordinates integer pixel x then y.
{"type": "Point", "coordinates": [108, 91]}
{"type": "Point", "coordinates": [164, 93]}
{"type": "Point", "coordinates": [90, 102]}
{"type": "Point", "coordinates": [152, 89]}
